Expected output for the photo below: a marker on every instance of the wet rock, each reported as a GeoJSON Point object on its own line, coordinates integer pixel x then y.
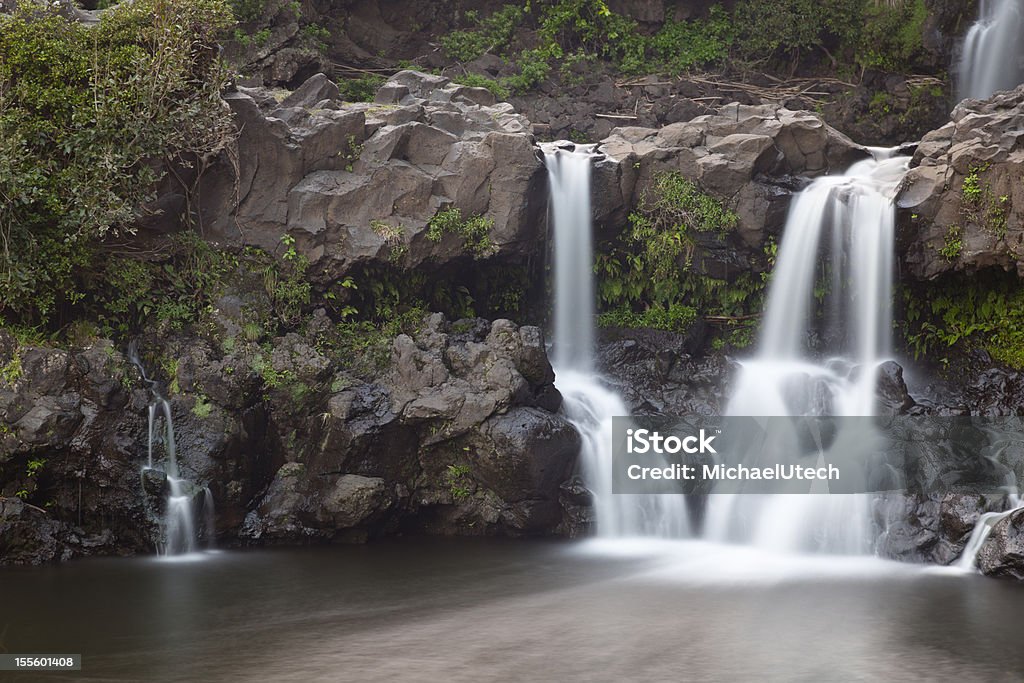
{"type": "Point", "coordinates": [1002, 554]}
{"type": "Point", "coordinates": [931, 528]}
{"type": "Point", "coordinates": [27, 534]}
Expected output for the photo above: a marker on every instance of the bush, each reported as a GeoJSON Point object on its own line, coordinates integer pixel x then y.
{"type": "Point", "coordinates": [89, 120]}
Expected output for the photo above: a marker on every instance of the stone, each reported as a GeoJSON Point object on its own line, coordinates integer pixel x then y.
{"type": "Point", "coordinates": [981, 143]}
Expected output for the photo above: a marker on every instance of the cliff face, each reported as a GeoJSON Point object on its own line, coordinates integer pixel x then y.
{"type": "Point", "coordinates": [457, 433]}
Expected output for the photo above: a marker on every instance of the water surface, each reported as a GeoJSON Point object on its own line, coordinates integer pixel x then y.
{"type": "Point", "coordinates": [474, 610]}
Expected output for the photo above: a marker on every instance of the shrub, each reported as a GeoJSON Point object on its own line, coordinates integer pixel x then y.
{"type": "Point", "coordinates": [89, 120]}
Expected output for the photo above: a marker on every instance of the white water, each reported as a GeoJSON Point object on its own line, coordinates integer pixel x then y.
{"type": "Point", "coordinates": [587, 402]}
{"type": "Point", "coordinates": [993, 51]}
{"type": "Point", "coordinates": [854, 216]}
{"type": "Point", "coordinates": [180, 534]}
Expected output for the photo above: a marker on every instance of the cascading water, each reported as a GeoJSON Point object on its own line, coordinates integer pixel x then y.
{"type": "Point", "coordinates": [588, 404]}
{"type": "Point", "coordinates": [180, 531]}
{"type": "Point", "coordinates": [853, 215]}
{"type": "Point", "coordinates": [993, 52]}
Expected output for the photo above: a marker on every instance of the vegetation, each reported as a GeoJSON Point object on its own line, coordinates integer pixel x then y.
{"type": "Point", "coordinates": [985, 313]}
{"type": "Point", "coordinates": [543, 36]}
{"type": "Point", "coordinates": [651, 274]}
{"type": "Point", "coordinates": [90, 119]}
{"type": "Point", "coordinates": [474, 230]}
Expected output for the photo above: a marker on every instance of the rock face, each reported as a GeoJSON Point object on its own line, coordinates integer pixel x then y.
{"type": "Point", "coordinates": [749, 155]}
{"type": "Point", "coordinates": [963, 198]}
{"type": "Point", "coordinates": [660, 373]}
{"type": "Point", "coordinates": [456, 434]}
{"type": "Point", "coordinates": [929, 528]}
{"type": "Point", "coordinates": [356, 184]}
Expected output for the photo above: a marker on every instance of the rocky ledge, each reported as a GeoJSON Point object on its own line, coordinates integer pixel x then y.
{"type": "Point", "coordinates": [963, 199]}
{"type": "Point", "coordinates": [358, 183]}
{"type": "Point", "coordinates": [457, 433]}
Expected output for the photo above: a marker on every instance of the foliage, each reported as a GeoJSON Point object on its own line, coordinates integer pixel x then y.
{"type": "Point", "coordinates": [986, 312]}
{"type": "Point", "coordinates": [674, 318]}
{"type": "Point", "coordinates": [891, 34]}
{"type": "Point", "coordinates": [499, 91]}
{"type": "Point", "coordinates": [457, 477]}
{"type": "Point", "coordinates": [980, 205]}
{"type": "Point", "coordinates": [491, 34]}
{"type": "Point", "coordinates": [362, 89]}
{"type": "Point", "coordinates": [650, 276]}
{"type": "Point", "coordinates": [952, 244]}
{"type": "Point", "coordinates": [543, 35]}
{"type": "Point", "coordinates": [10, 372]}
{"type": "Point", "coordinates": [474, 230]}
{"type": "Point", "coordinates": [168, 294]}
{"type": "Point", "coordinates": [89, 120]}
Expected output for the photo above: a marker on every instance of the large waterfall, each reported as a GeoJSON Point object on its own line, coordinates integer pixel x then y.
{"type": "Point", "coordinates": [838, 242]}
{"type": "Point", "coordinates": [993, 52]}
{"type": "Point", "coordinates": [588, 403]}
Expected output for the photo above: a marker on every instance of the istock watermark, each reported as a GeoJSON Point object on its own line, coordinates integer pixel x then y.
{"type": "Point", "coordinates": [814, 455]}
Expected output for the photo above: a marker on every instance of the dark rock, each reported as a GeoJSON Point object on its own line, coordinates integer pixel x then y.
{"type": "Point", "coordinates": [1002, 554]}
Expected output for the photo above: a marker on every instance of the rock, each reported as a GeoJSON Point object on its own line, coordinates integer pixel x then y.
{"type": "Point", "coordinates": [657, 372]}
{"type": "Point", "coordinates": [891, 390]}
{"type": "Point", "coordinates": [963, 199]}
{"type": "Point", "coordinates": [929, 528]}
{"type": "Point", "coordinates": [357, 183]}
{"type": "Point", "coordinates": [1002, 554]}
{"type": "Point", "coordinates": [355, 499]}
{"type": "Point", "coordinates": [28, 535]}
{"type": "Point", "coordinates": [744, 155]}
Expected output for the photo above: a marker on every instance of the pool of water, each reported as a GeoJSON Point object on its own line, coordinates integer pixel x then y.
{"type": "Point", "coordinates": [476, 610]}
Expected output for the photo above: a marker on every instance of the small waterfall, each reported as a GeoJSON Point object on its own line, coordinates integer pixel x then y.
{"type": "Point", "coordinates": [179, 531]}
{"type": "Point", "coordinates": [993, 52]}
{"type": "Point", "coordinates": [853, 214]}
{"type": "Point", "coordinates": [588, 403]}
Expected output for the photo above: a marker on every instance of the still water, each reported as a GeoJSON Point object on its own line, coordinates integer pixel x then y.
{"type": "Point", "coordinates": [441, 610]}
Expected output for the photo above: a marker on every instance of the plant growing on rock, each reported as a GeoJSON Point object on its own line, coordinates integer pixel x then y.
{"type": "Point", "coordinates": [474, 230]}
{"type": "Point", "coordinates": [649, 276]}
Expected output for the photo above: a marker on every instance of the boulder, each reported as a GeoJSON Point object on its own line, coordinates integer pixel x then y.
{"type": "Point", "coordinates": [355, 184]}
{"type": "Point", "coordinates": [1002, 554]}
{"type": "Point", "coordinates": [963, 200]}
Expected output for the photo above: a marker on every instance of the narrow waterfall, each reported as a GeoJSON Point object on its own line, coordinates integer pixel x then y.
{"type": "Point", "coordinates": [588, 403]}
{"type": "Point", "coordinates": [852, 216]}
{"type": "Point", "coordinates": [179, 531]}
{"type": "Point", "coordinates": [993, 52]}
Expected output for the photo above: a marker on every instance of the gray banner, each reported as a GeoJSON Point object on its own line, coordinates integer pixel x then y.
{"type": "Point", "coordinates": [40, 662]}
{"type": "Point", "coordinates": [768, 455]}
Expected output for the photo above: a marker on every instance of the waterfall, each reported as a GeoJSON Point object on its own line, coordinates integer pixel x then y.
{"type": "Point", "coordinates": [853, 216]}
{"type": "Point", "coordinates": [993, 52]}
{"type": "Point", "coordinates": [587, 402]}
{"type": "Point", "coordinates": [180, 534]}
